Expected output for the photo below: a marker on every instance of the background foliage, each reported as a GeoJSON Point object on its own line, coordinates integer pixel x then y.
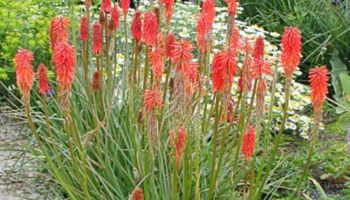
{"type": "Point", "coordinates": [24, 24]}
{"type": "Point", "coordinates": [325, 26]}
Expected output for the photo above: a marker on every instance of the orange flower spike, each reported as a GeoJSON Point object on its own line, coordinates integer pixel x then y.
{"type": "Point", "coordinates": [248, 144]}
{"type": "Point", "coordinates": [137, 194]}
{"type": "Point", "coordinates": [125, 5]}
{"type": "Point", "coordinates": [136, 26]}
{"type": "Point", "coordinates": [150, 28]}
{"type": "Point", "coordinates": [291, 50]}
{"type": "Point", "coordinates": [169, 5]}
{"type": "Point", "coordinates": [318, 79]}
{"type": "Point", "coordinates": [97, 39]}
{"type": "Point", "coordinates": [84, 29]}
{"type": "Point", "coordinates": [43, 80]}
{"type": "Point", "coordinates": [88, 2]}
{"type": "Point", "coordinates": [58, 30]}
{"type": "Point", "coordinates": [64, 60]}
{"type": "Point", "coordinates": [115, 16]}
{"type": "Point", "coordinates": [152, 99]}
{"type": "Point", "coordinates": [24, 72]}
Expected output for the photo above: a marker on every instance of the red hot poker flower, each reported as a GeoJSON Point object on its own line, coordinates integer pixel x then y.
{"type": "Point", "coordinates": [97, 45]}
{"type": "Point", "coordinates": [156, 59]}
{"type": "Point", "coordinates": [44, 86]}
{"type": "Point", "coordinates": [259, 66]}
{"type": "Point", "coordinates": [88, 2]}
{"type": "Point", "coordinates": [106, 5]}
{"type": "Point", "coordinates": [136, 26]}
{"type": "Point", "coordinates": [235, 38]}
{"type": "Point", "coordinates": [84, 29]}
{"type": "Point", "coordinates": [248, 144]}
{"type": "Point", "coordinates": [169, 5]}
{"type": "Point", "coordinates": [291, 47]}
{"type": "Point", "coordinates": [125, 5]}
{"type": "Point", "coordinates": [170, 40]}
{"type": "Point", "coordinates": [150, 28]}
{"type": "Point", "coordinates": [180, 143]}
{"type": "Point", "coordinates": [182, 51]}
{"type": "Point", "coordinates": [224, 68]}
{"type": "Point", "coordinates": [208, 8]}
{"type": "Point", "coordinates": [64, 60]}
{"type": "Point", "coordinates": [58, 30]}
{"type": "Point", "coordinates": [137, 194]}
{"type": "Point", "coordinates": [231, 7]}
{"type": "Point", "coordinates": [24, 72]}
{"type": "Point", "coordinates": [115, 16]}
{"type": "Point", "coordinates": [202, 31]}
{"type": "Point", "coordinates": [318, 79]}
{"type": "Point", "coordinates": [152, 99]}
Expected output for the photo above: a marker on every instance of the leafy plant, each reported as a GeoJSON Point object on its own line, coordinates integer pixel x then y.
{"type": "Point", "coordinates": [160, 129]}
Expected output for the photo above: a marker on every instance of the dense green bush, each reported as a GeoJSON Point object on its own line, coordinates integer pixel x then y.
{"type": "Point", "coordinates": [25, 24]}
{"type": "Point", "coordinates": [325, 27]}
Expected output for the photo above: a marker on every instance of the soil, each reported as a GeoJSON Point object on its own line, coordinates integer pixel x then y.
{"type": "Point", "coordinates": [20, 176]}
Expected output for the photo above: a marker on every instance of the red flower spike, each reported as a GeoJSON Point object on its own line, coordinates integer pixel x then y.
{"type": "Point", "coordinates": [170, 41]}
{"type": "Point", "coordinates": [182, 51]}
{"type": "Point", "coordinates": [259, 66]}
{"type": "Point", "coordinates": [64, 60]}
{"type": "Point", "coordinates": [43, 80]}
{"type": "Point", "coordinates": [202, 30]}
{"type": "Point", "coordinates": [97, 40]}
{"type": "Point", "coordinates": [235, 38]}
{"type": "Point", "coordinates": [152, 99]}
{"type": "Point", "coordinates": [84, 29]}
{"type": "Point", "coordinates": [106, 5]}
{"type": "Point", "coordinates": [156, 59]}
{"type": "Point", "coordinates": [248, 144]}
{"type": "Point", "coordinates": [24, 72]}
{"type": "Point", "coordinates": [169, 5]}
{"type": "Point", "coordinates": [58, 30]}
{"type": "Point", "coordinates": [291, 50]}
{"type": "Point", "coordinates": [231, 7]}
{"type": "Point", "coordinates": [137, 194]}
{"type": "Point", "coordinates": [180, 143]}
{"type": "Point", "coordinates": [208, 8]}
{"type": "Point", "coordinates": [150, 28]}
{"type": "Point", "coordinates": [224, 68]}
{"type": "Point", "coordinates": [318, 79]}
{"type": "Point", "coordinates": [88, 2]}
{"type": "Point", "coordinates": [125, 5]}
{"type": "Point", "coordinates": [115, 16]}
{"type": "Point", "coordinates": [136, 26]}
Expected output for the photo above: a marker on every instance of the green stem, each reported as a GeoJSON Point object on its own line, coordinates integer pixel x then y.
{"type": "Point", "coordinates": [213, 161]}
{"type": "Point", "coordinates": [278, 137]}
